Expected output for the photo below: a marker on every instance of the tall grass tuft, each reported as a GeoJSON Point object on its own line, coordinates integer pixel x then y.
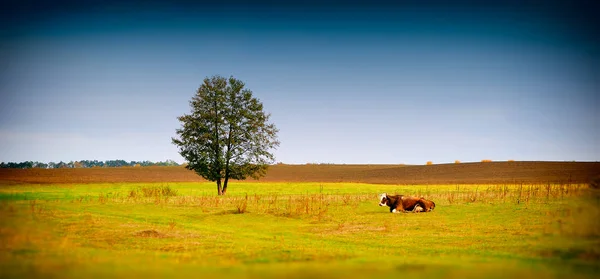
{"type": "Point", "coordinates": [153, 192]}
{"type": "Point", "coordinates": [595, 183]}
{"type": "Point", "coordinates": [242, 205]}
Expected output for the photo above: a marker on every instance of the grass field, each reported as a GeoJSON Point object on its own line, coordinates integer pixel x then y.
{"type": "Point", "coordinates": [297, 230]}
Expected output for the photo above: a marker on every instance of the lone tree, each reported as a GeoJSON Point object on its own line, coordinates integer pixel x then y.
{"type": "Point", "coordinates": [227, 135]}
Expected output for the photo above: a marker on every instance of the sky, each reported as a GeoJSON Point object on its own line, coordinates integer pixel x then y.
{"type": "Point", "coordinates": [346, 83]}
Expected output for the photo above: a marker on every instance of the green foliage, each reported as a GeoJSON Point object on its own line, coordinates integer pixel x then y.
{"type": "Point", "coordinates": [227, 135]}
{"type": "Point", "coordinates": [84, 164]}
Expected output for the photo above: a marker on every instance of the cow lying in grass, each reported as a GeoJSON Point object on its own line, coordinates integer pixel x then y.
{"type": "Point", "coordinates": [400, 203]}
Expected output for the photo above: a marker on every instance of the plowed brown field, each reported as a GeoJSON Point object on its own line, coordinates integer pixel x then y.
{"type": "Point", "coordinates": [464, 173]}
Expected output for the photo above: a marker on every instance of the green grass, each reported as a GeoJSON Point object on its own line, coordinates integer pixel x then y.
{"type": "Point", "coordinates": [297, 230]}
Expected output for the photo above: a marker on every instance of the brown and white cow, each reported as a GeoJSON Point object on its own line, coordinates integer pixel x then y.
{"type": "Point", "coordinates": [400, 203]}
{"type": "Point", "coordinates": [429, 205]}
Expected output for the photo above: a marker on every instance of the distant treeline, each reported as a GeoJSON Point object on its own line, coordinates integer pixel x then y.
{"type": "Point", "coordinates": [85, 164]}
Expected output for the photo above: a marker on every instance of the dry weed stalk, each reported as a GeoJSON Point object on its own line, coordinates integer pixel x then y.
{"type": "Point", "coordinates": [242, 205]}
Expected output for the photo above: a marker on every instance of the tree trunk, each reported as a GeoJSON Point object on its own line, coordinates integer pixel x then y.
{"type": "Point", "coordinates": [219, 187]}
{"type": "Point", "coordinates": [225, 185]}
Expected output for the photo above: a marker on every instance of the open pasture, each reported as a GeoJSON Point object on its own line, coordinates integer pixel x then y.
{"type": "Point", "coordinates": [296, 230]}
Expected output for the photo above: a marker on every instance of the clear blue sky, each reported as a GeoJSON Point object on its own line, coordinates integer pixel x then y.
{"type": "Point", "coordinates": [344, 85]}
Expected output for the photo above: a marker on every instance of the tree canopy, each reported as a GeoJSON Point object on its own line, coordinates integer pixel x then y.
{"type": "Point", "coordinates": [227, 135]}
{"type": "Point", "coordinates": [84, 164]}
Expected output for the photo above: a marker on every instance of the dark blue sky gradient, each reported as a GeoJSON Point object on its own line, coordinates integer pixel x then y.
{"type": "Point", "coordinates": [344, 83]}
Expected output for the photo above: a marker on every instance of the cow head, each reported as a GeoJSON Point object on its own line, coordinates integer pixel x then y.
{"type": "Point", "coordinates": [383, 198]}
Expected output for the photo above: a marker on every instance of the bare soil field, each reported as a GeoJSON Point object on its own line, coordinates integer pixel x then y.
{"type": "Point", "coordinates": [463, 173]}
